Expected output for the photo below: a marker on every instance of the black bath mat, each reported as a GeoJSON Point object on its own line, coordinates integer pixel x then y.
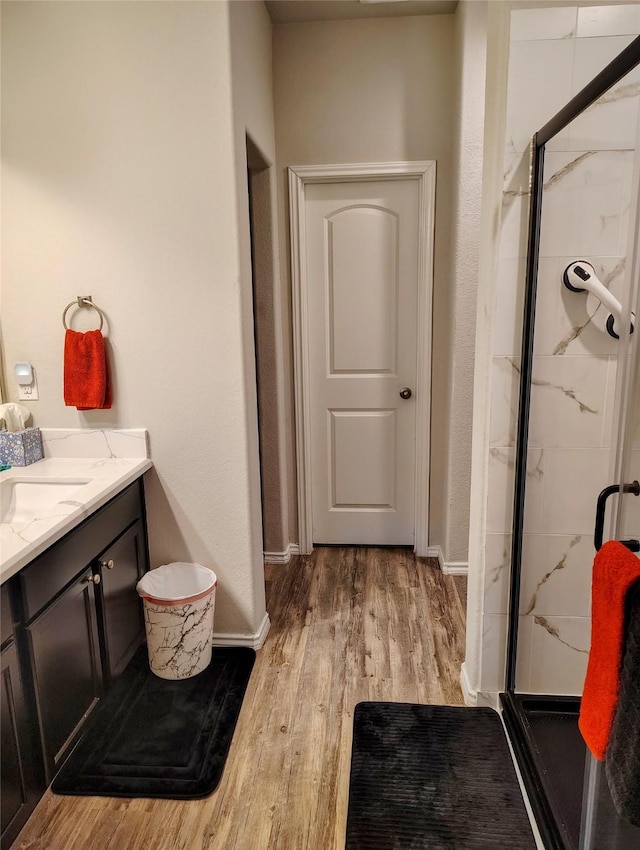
{"type": "Point", "coordinates": [427, 777]}
{"type": "Point", "coordinates": [151, 737]}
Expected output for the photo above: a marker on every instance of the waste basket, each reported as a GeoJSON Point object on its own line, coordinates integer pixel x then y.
{"type": "Point", "coordinates": [179, 601]}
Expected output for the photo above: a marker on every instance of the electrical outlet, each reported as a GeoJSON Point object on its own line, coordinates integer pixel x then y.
{"type": "Point", "coordinates": [29, 392]}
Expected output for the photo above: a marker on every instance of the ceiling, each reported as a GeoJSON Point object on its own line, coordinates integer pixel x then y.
{"type": "Point", "coordinates": [296, 11]}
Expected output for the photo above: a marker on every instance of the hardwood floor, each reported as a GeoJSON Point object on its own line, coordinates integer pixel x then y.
{"type": "Point", "coordinates": [348, 624]}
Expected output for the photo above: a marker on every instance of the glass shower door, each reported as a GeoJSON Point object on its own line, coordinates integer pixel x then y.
{"type": "Point", "coordinates": [577, 405]}
{"type": "Point", "coordinates": [602, 828]}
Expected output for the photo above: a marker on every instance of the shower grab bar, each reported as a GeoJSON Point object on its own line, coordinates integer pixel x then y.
{"type": "Point", "coordinates": [581, 276]}
{"type": "Point", "coordinates": [634, 488]}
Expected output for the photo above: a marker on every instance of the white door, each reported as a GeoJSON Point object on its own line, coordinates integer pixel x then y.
{"type": "Point", "coordinates": [362, 266]}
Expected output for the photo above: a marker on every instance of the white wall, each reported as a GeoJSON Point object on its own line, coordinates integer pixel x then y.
{"type": "Point", "coordinates": [470, 42]}
{"type": "Point", "coordinates": [119, 181]}
{"type": "Point", "coordinates": [253, 115]}
{"type": "Point", "coordinates": [490, 222]}
{"type": "Point", "coordinates": [372, 91]}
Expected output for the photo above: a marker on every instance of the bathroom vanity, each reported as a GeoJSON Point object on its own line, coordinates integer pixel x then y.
{"type": "Point", "coordinates": [71, 620]}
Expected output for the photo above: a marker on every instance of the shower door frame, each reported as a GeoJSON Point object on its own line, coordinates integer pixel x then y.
{"type": "Point", "coordinates": [550, 831]}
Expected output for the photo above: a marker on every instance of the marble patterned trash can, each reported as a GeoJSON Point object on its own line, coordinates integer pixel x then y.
{"type": "Point", "coordinates": [179, 601]}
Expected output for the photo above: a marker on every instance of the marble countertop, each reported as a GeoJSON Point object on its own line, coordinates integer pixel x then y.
{"type": "Point", "coordinates": [106, 474]}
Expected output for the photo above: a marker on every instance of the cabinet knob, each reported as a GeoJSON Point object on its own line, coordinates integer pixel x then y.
{"type": "Point", "coordinates": [91, 578]}
{"type": "Point", "coordinates": [108, 565]}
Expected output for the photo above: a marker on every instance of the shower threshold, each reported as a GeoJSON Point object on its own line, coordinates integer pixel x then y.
{"type": "Point", "coordinates": [551, 755]}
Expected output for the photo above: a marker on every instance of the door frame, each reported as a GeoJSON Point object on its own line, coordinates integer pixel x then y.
{"type": "Point", "coordinates": [424, 173]}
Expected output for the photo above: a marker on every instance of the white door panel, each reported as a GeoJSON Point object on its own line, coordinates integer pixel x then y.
{"type": "Point", "coordinates": [362, 277]}
{"type": "Point", "coordinates": [362, 459]}
{"type": "Point", "coordinates": [361, 248]}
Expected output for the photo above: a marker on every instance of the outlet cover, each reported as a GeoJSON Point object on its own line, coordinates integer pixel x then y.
{"type": "Point", "coordinates": [29, 392]}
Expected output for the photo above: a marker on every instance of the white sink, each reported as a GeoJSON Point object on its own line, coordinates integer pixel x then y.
{"type": "Point", "coordinates": [25, 499]}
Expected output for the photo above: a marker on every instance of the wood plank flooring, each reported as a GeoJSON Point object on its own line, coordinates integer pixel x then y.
{"type": "Point", "coordinates": [348, 624]}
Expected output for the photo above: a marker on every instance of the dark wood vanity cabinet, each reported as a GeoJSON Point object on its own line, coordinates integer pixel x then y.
{"type": "Point", "coordinates": [120, 609]}
{"type": "Point", "coordinates": [21, 783]}
{"type": "Point", "coordinates": [66, 667]}
{"type": "Point", "coordinates": [14, 791]}
{"type": "Point", "coordinates": [78, 621]}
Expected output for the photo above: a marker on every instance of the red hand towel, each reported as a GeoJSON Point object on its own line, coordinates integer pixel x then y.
{"type": "Point", "coordinates": [615, 569]}
{"type": "Point", "coordinates": [87, 383]}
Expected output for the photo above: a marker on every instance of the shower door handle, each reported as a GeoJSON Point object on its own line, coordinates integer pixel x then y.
{"type": "Point", "coordinates": [633, 488]}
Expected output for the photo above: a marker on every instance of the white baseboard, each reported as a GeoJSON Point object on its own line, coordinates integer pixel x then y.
{"type": "Point", "coordinates": [435, 552]}
{"type": "Point", "coordinates": [456, 568]}
{"type": "Point", "coordinates": [282, 557]}
{"type": "Point", "coordinates": [488, 699]}
{"type": "Point", "coordinates": [470, 696]}
{"type": "Point", "coordinates": [449, 568]}
{"type": "Point", "coordinates": [253, 641]}
{"type": "Point", "coordinates": [483, 699]}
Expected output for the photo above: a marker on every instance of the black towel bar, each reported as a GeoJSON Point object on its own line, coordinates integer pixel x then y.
{"type": "Point", "coordinates": [634, 488]}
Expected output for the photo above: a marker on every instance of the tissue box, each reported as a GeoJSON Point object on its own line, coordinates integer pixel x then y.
{"type": "Point", "coordinates": [20, 448]}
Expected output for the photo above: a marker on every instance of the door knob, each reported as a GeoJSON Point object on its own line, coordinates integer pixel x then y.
{"type": "Point", "coordinates": [109, 565]}
{"type": "Point", "coordinates": [91, 578]}
{"type": "Point", "coordinates": [405, 393]}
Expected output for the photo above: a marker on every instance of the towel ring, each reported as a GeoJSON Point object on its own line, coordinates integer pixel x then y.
{"type": "Point", "coordinates": [82, 301]}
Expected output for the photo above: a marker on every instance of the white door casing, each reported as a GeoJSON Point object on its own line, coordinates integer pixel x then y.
{"type": "Point", "coordinates": [362, 259]}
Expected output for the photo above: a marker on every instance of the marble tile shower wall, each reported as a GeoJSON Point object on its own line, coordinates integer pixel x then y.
{"type": "Point", "coordinates": [588, 177]}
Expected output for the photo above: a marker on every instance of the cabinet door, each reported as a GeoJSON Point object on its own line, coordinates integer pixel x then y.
{"type": "Point", "coordinates": [66, 667]}
{"type": "Point", "coordinates": [19, 794]}
{"type": "Point", "coordinates": [122, 623]}
{"type": "Point", "coordinates": [6, 615]}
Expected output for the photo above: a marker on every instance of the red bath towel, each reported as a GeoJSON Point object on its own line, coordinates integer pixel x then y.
{"type": "Point", "coordinates": [87, 383]}
{"type": "Point", "coordinates": [615, 569]}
